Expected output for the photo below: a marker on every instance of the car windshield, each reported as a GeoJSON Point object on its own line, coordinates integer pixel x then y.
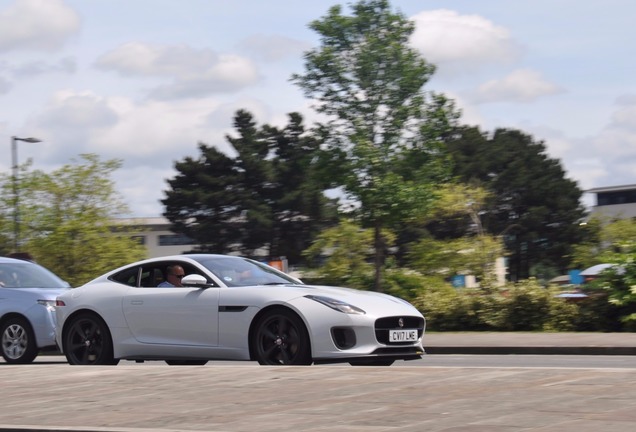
{"type": "Point", "coordinates": [236, 271]}
{"type": "Point", "coordinates": [28, 275]}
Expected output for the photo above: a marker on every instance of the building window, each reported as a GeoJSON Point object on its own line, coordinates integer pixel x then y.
{"type": "Point", "coordinates": [614, 198]}
{"type": "Point", "coordinates": [175, 240]}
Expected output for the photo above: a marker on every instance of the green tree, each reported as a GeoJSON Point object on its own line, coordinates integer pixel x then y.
{"type": "Point", "coordinates": [534, 206]}
{"type": "Point", "coordinates": [6, 215]}
{"type": "Point", "coordinates": [384, 132]}
{"type": "Point", "coordinates": [266, 196]}
{"type": "Point", "coordinates": [604, 239]}
{"type": "Point", "coordinates": [619, 282]}
{"type": "Point", "coordinates": [68, 220]}
{"type": "Point", "coordinates": [474, 255]}
{"type": "Point", "coordinates": [341, 254]}
{"type": "Point", "coordinates": [299, 205]}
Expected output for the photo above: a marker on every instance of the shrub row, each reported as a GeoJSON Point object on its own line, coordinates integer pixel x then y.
{"type": "Point", "coordinates": [521, 306]}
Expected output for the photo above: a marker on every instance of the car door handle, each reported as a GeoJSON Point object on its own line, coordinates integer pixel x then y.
{"type": "Point", "coordinates": [136, 302]}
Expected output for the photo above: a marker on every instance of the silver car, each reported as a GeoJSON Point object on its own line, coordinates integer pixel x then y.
{"type": "Point", "coordinates": [27, 309]}
{"type": "Point", "coordinates": [219, 307]}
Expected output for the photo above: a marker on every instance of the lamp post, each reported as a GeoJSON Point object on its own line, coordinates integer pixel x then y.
{"type": "Point", "coordinates": [16, 194]}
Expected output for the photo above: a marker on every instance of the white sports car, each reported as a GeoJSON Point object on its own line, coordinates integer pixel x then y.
{"type": "Point", "coordinates": [230, 308]}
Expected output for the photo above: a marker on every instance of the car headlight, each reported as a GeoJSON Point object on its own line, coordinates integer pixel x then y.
{"type": "Point", "coordinates": [49, 304]}
{"type": "Point", "coordinates": [338, 305]}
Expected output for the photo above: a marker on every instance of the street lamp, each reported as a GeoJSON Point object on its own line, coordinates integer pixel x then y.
{"type": "Point", "coordinates": [16, 194]}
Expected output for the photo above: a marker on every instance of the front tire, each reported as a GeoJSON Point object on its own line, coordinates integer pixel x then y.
{"type": "Point", "coordinates": [281, 338]}
{"type": "Point", "coordinates": [87, 341]}
{"type": "Point", "coordinates": [18, 341]}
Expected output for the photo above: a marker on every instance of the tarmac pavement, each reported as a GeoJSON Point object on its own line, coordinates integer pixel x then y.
{"type": "Point", "coordinates": [248, 397]}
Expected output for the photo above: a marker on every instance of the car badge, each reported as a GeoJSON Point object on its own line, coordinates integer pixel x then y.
{"type": "Point", "coordinates": [401, 322]}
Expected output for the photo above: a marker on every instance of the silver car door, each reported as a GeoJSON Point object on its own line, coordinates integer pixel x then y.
{"type": "Point", "coordinates": [173, 316]}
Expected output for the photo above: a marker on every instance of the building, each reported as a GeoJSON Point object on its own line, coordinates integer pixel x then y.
{"type": "Point", "coordinates": [156, 234]}
{"type": "Point", "coordinates": [614, 202]}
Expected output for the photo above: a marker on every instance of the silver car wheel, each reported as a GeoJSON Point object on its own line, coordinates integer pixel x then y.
{"type": "Point", "coordinates": [14, 341]}
{"type": "Point", "coordinates": [18, 341]}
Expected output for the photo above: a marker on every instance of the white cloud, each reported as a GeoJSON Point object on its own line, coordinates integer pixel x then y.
{"type": "Point", "coordinates": [37, 25]}
{"type": "Point", "coordinates": [195, 73]}
{"type": "Point", "coordinates": [78, 110]}
{"type": "Point", "coordinates": [522, 85]}
{"type": "Point", "coordinates": [451, 40]}
{"type": "Point", "coordinates": [273, 47]}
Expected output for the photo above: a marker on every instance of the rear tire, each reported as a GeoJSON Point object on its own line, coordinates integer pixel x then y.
{"type": "Point", "coordinates": [18, 341]}
{"type": "Point", "coordinates": [281, 338]}
{"type": "Point", "coordinates": [87, 341]}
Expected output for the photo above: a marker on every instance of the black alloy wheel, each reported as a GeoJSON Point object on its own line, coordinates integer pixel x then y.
{"type": "Point", "coordinates": [87, 341]}
{"type": "Point", "coordinates": [18, 341]}
{"type": "Point", "coordinates": [281, 338]}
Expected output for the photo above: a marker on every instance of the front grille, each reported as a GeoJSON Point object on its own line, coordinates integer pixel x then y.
{"type": "Point", "coordinates": [383, 325]}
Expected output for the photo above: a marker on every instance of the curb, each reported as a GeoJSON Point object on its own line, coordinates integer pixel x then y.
{"type": "Point", "coordinates": [532, 350]}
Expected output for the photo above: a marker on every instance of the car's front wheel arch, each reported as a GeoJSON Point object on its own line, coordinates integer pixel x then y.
{"type": "Point", "coordinates": [84, 331]}
{"type": "Point", "coordinates": [269, 315]}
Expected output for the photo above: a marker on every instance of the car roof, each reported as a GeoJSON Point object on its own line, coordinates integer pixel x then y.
{"type": "Point", "coordinates": [186, 257]}
{"type": "Point", "coordinates": [7, 260]}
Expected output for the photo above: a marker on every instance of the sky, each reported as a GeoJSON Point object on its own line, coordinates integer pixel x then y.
{"type": "Point", "coordinates": [146, 81]}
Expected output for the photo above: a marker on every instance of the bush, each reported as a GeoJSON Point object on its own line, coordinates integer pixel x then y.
{"type": "Point", "coordinates": [409, 284]}
{"type": "Point", "coordinates": [525, 306]}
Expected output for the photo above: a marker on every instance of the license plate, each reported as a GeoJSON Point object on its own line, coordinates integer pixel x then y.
{"type": "Point", "coordinates": [402, 335]}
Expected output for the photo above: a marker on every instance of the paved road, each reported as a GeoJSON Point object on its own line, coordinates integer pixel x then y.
{"type": "Point", "coordinates": [247, 397]}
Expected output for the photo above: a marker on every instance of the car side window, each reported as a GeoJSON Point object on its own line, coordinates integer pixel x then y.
{"type": "Point", "coordinates": [152, 274]}
{"type": "Point", "coordinates": [127, 277]}
{"type": "Point", "coordinates": [188, 269]}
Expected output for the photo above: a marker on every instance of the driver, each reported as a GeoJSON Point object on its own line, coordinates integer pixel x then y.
{"type": "Point", "coordinates": [174, 276]}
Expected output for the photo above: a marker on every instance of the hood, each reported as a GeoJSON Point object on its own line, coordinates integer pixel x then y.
{"type": "Point", "coordinates": [42, 293]}
{"type": "Point", "coordinates": [367, 300]}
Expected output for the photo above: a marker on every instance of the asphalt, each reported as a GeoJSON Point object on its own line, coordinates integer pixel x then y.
{"type": "Point", "coordinates": [53, 396]}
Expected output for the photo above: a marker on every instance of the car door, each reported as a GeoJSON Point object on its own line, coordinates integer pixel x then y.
{"type": "Point", "coordinates": [173, 316]}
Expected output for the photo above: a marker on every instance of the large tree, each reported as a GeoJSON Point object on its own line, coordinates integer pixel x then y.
{"type": "Point", "coordinates": [533, 206]}
{"type": "Point", "coordinates": [265, 198]}
{"type": "Point", "coordinates": [68, 220]}
{"type": "Point", "coordinates": [383, 131]}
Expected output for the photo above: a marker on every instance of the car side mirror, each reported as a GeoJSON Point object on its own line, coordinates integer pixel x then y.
{"type": "Point", "coordinates": [195, 280]}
